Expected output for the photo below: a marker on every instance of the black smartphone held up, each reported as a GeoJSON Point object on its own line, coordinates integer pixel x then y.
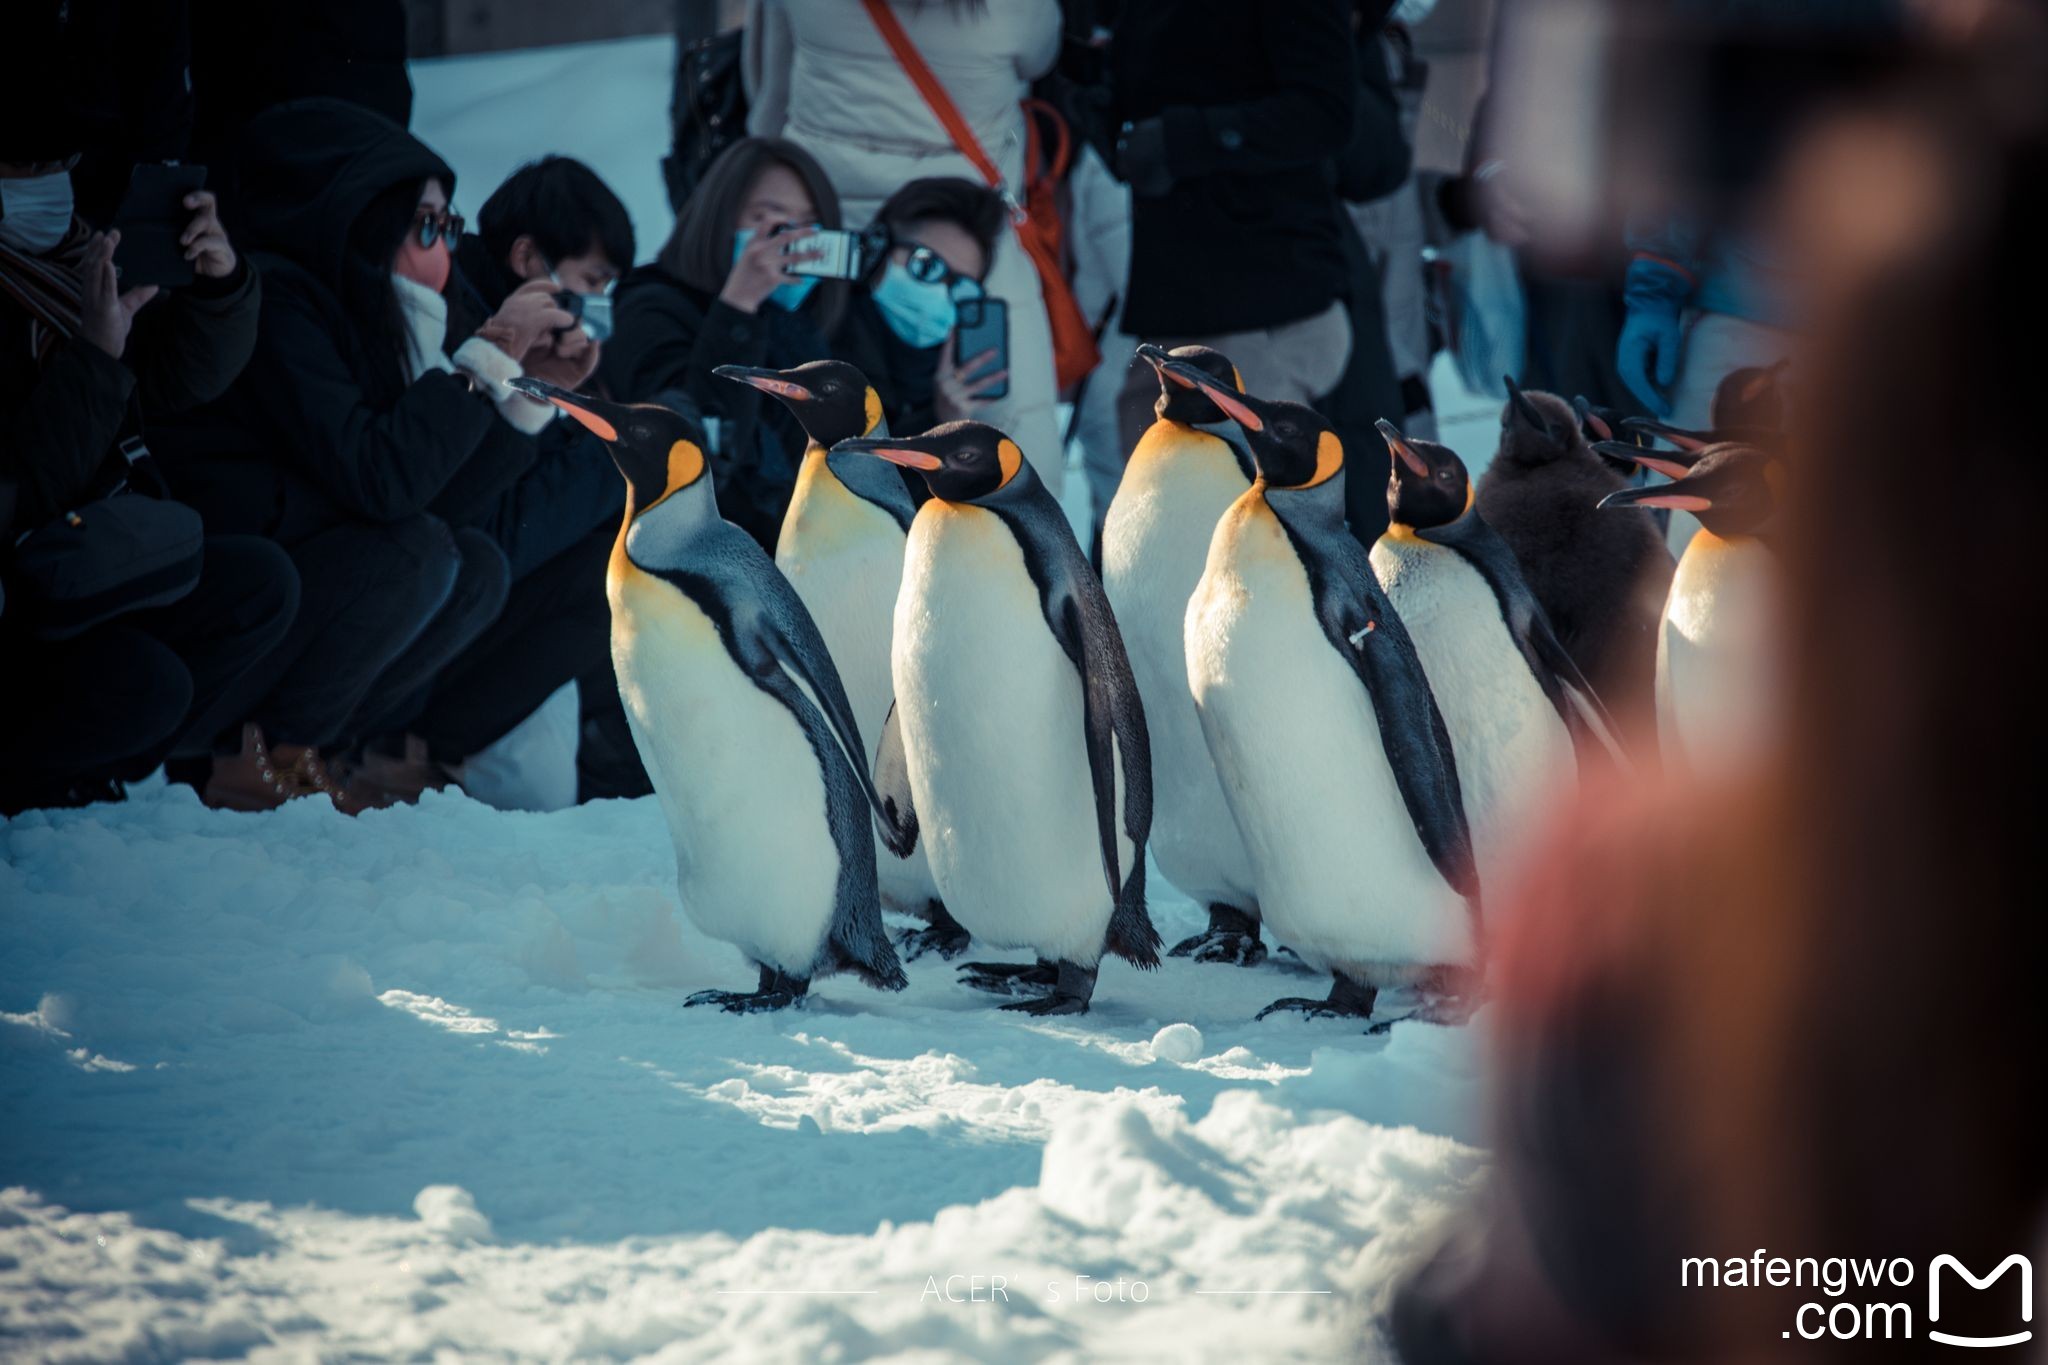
{"type": "Point", "coordinates": [152, 218]}
{"type": "Point", "coordinates": [983, 324]}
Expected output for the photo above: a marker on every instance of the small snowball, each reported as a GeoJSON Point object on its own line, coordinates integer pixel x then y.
{"type": "Point", "coordinates": [450, 1212]}
{"type": "Point", "coordinates": [1177, 1043]}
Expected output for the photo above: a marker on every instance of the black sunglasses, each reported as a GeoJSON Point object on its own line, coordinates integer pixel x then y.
{"type": "Point", "coordinates": [928, 267]}
{"type": "Point", "coordinates": [430, 224]}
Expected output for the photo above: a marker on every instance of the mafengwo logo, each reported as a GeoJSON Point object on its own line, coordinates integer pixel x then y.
{"type": "Point", "coordinates": [2014, 1261]}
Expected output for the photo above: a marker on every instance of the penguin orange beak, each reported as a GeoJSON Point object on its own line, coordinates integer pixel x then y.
{"type": "Point", "coordinates": [1668, 463]}
{"type": "Point", "coordinates": [575, 404]}
{"type": "Point", "coordinates": [1663, 495]}
{"type": "Point", "coordinates": [1162, 360]}
{"type": "Point", "coordinates": [1693, 441]}
{"type": "Point", "coordinates": [1230, 400]}
{"type": "Point", "coordinates": [1402, 451]}
{"type": "Point", "coordinates": [767, 381]}
{"type": "Point", "coordinates": [1592, 421]}
{"type": "Point", "coordinates": [896, 453]}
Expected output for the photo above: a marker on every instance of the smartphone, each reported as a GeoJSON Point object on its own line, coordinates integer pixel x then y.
{"type": "Point", "coordinates": [984, 325]}
{"type": "Point", "coordinates": [152, 218]}
{"type": "Point", "coordinates": [841, 254]}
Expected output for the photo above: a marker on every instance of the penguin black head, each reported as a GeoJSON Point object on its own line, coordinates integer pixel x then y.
{"type": "Point", "coordinates": [1293, 445]}
{"type": "Point", "coordinates": [1732, 488]}
{"type": "Point", "coordinates": [832, 400]}
{"type": "Point", "coordinates": [1429, 486]}
{"type": "Point", "coordinates": [1535, 427]}
{"type": "Point", "coordinates": [1597, 424]}
{"type": "Point", "coordinates": [1180, 400]}
{"type": "Point", "coordinates": [1752, 397]}
{"type": "Point", "coordinates": [960, 461]}
{"type": "Point", "coordinates": [659, 450]}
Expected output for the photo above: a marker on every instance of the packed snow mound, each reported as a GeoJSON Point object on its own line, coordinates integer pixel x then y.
{"type": "Point", "coordinates": [421, 1082]}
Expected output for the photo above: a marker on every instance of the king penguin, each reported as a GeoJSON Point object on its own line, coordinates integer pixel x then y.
{"type": "Point", "coordinates": [841, 547]}
{"type": "Point", "coordinates": [1182, 476]}
{"type": "Point", "coordinates": [1600, 580]}
{"type": "Point", "coordinates": [1018, 746]}
{"type": "Point", "coordinates": [1716, 661]}
{"type": "Point", "coordinates": [1512, 698]}
{"type": "Point", "coordinates": [1331, 750]}
{"type": "Point", "coordinates": [741, 719]}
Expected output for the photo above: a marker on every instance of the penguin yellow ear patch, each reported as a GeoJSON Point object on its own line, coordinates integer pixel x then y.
{"type": "Point", "coordinates": [1329, 458]}
{"type": "Point", "coordinates": [685, 465]}
{"type": "Point", "coordinates": [1009, 457]}
{"type": "Point", "coordinates": [874, 411]}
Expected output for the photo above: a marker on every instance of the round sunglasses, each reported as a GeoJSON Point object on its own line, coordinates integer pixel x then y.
{"type": "Point", "coordinates": [429, 225]}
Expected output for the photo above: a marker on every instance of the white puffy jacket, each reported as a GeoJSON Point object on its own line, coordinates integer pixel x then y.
{"type": "Point", "coordinates": [819, 74]}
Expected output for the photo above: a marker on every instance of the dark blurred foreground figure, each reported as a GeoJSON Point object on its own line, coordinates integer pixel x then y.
{"type": "Point", "coordinates": [1799, 1010]}
{"type": "Point", "coordinates": [85, 367]}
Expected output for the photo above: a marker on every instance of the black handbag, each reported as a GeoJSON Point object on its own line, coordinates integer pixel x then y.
{"type": "Point", "coordinates": [121, 553]}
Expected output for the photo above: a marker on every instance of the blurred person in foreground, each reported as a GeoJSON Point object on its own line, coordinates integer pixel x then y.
{"type": "Point", "coordinates": [1797, 1010]}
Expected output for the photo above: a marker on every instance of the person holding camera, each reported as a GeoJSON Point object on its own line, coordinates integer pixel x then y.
{"type": "Point", "coordinates": [365, 443]}
{"type": "Point", "coordinates": [729, 288]}
{"type": "Point", "coordinates": [107, 686]}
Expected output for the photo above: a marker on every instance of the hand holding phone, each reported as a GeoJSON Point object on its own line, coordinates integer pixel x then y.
{"type": "Point", "coordinates": [982, 336]}
{"type": "Point", "coordinates": [153, 222]}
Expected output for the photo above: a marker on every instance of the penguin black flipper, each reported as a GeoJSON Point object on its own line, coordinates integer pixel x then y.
{"type": "Point", "coordinates": [1363, 627]}
{"type": "Point", "coordinates": [769, 634]}
{"type": "Point", "coordinates": [1577, 704]}
{"type": "Point", "coordinates": [1077, 612]}
{"type": "Point", "coordinates": [892, 782]}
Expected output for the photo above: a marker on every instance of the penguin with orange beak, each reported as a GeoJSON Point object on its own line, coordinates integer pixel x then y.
{"type": "Point", "coordinates": [841, 547]}
{"type": "Point", "coordinates": [1018, 746]}
{"type": "Point", "coordinates": [1330, 746]}
{"type": "Point", "coordinates": [1716, 657]}
{"type": "Point", "coordinates": [741, 720]}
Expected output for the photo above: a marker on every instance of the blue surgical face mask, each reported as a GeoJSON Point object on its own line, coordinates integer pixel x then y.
{"type": "Point", "coordinates": [790, 293]}
{"type": "Point", "coordinates": [35, 211]}
{"type": "Point", "coordinates": [920, 312]}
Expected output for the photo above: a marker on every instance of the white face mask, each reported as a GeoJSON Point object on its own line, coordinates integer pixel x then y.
{"type": "Point", "coordinates": [1411, 12]}
{"type": "Point", "coordinates": [35, 211]}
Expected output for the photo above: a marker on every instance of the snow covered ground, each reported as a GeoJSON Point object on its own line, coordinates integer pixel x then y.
{"type": "Point", "coordinates": [294, 1085]}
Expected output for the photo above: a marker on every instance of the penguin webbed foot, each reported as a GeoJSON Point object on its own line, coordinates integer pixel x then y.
{"type": "Point", "coordinates": [778, 990]}
{"type": "Point", "coordinates": [1231, 938]}
{"type": "Point", "coordinates": [1347, 1000]}
{"type": "Point", "coordinates": [944, 935]}
{"type": "Point", "coordinates": [1073, 987]}
{"type": "Point", "coordinates": [1010, 978]}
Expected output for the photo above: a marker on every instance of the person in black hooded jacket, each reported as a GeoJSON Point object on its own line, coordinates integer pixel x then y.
{"type": "Point", "coordinates": [357, 440]}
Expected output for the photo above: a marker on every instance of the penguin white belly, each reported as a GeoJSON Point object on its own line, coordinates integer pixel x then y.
{"type": "Point", "coordinates": [844, 557]}
{"type": "Point", "coordinates": [1715, 662]}
{"type": "Point", "coordinates": [1513, 751]}
{"type": "Point", "coordinates": [756, 864]}
{"type": "Point", "coordinates": [1343, 879]}
{"type": "Point", "coordinates": [1155, 543]}
{"type": "Point", "coordinates": [990, 707]}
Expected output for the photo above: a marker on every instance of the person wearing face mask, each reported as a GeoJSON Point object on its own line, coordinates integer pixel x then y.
{"type": "Point", "coordinates": [553, 220]}
{"type": "Point", "coordinates": [720, 293]}
{"type": "Point", "coordinates": [87, 368]}
{"type": "Point", "coordinates": [368, 440]}
{"type": "Point", "coordinates": [898, 331]}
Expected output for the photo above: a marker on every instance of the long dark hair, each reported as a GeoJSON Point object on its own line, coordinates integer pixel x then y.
{"type": "Point", "coordinates": [366, 293]}
{"type": "Point", "coordinates": [699, 251]}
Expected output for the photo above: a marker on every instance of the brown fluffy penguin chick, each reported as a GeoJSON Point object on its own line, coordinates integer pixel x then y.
{"type": "Point", "coordinates": [1603, 589]}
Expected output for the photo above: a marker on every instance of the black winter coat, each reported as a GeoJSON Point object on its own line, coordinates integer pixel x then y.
{"type": "Point", "coordinates": [61, 422]}
{"type": "Point", "coordinates": [312, 434]}
{"type": "Point", "coordinates": [1256, 100]}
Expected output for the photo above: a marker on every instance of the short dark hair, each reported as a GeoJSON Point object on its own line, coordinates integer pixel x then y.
{"type": "Point", "coordinates": [976, 208]}
{"type": "Point", "coordinates": [564, 206]}
{"type": "Point", "coordinates": [699, 251]}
